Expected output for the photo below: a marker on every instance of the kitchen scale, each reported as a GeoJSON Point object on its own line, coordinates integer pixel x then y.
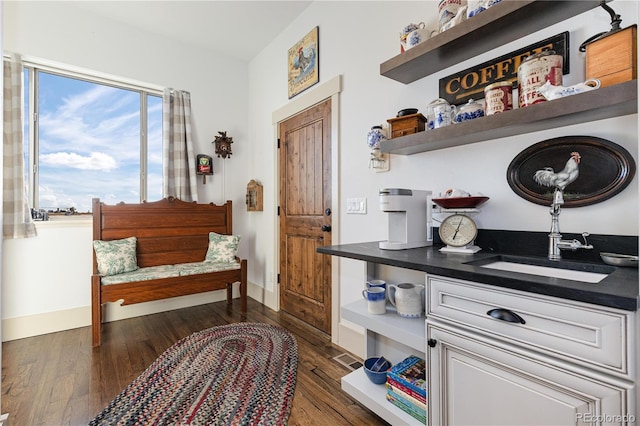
{"type": "Point", "coordinates": [459, 231]}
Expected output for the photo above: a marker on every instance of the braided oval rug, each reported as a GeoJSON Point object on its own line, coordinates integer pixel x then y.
{"type": "Point", "coordinates": [235, 374]}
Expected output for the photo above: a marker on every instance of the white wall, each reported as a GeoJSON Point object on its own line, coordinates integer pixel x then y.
{"type": "Point", "coordinates": [355, 37]}
{"type": "Point", "coordinates": [46, 280]}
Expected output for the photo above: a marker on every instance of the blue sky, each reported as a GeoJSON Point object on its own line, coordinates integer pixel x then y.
{"type": "Point", "coordinates": [89, 144]}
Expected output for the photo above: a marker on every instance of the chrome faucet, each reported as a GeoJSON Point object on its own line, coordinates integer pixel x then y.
{"type": "Point", "coordinates": [556, 243]}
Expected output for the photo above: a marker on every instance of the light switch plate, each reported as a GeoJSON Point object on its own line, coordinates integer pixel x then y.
{"type": "Point", "coordinates": [356, 206]}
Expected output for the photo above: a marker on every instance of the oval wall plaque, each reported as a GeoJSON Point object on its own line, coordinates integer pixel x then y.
{"type": "Point", "coordinates": [605, 169]}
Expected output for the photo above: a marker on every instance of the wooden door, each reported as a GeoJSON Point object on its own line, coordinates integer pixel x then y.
{"type": "Point", "coordinates": [305, 215]}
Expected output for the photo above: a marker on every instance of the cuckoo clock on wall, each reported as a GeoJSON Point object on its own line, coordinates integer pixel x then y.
{"type": "Point", "coordinates": [223, 144]}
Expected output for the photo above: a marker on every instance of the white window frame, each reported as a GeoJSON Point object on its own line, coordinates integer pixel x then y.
{"type": "Point", "coordinates": [36, 65]}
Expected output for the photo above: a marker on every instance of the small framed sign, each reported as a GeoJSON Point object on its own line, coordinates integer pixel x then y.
{"type": "Point", "coordinates": [302, 63]}
{"type": "Point", "coordinates": [204, 166]}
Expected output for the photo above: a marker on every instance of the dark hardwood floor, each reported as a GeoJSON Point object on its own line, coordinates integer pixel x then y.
{"type": "Point", "coordinates": [59, 379]}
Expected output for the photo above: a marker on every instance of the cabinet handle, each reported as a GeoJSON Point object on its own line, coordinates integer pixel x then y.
{"type": "Point", "coordinates": [505, 315]}
{"type": "Point", "coordinates": [432, 343]}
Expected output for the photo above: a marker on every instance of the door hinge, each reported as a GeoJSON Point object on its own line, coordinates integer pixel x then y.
{"type": "Point", "coordinates": [278, 143]}
{"type": "Point", "coordinates": [278, 210]}
{"type": "Point", "coordinates": [278, 278]}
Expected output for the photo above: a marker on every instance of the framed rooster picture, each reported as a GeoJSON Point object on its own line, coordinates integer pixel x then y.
{"type": "Point", "coordinates": [586, 169]}
{"type": "Point", "coordinates": [303, 64]}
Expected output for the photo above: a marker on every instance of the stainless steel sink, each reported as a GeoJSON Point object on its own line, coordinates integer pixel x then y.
{"type": "Point", "coordinates": [576, 271]}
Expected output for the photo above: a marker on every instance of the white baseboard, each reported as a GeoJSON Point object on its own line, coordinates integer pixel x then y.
{"type": "Point", "coordinates": [349, 338]}
{"type": "Point", "coordinates": [68, 319]}
{"type": "Point", "coordinates": [45, 323]}
{"type": "Point", "coordinates": [115, 312]}
{"type": "Point", "coordinates": [264, 296]}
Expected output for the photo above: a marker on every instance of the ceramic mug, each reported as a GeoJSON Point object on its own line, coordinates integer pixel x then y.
{"type": "Point", "coordinates": [377, 283]}
{"type": "Point", "coordinates": [376, 300]}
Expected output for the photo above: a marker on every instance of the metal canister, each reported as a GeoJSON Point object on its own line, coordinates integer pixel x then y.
{"type": "Point", "coordinates": [534, 71]}
{"type": "Point", "coordinates": [498, 97]}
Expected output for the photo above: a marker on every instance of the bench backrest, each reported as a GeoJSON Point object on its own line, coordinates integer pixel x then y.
{"type": "Point", "coordinates": [169, 231]}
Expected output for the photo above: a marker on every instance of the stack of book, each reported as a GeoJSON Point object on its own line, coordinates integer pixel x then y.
{"type": "Point", "coordinates": [407, 387]}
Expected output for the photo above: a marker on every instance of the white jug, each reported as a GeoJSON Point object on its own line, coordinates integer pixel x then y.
{"type": "Point", "coordinates": [407, 298]}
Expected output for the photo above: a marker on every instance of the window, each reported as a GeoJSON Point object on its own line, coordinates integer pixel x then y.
{"type": "Point", "coordinates": [90, 138]}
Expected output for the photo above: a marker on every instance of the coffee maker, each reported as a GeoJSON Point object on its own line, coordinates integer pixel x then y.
{"type": "Point", "coordinates": [410, 223]}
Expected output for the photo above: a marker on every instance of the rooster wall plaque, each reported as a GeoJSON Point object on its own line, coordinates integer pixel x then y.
{"type": "Point", "coordinates": [604, 169]}
{"type": "Point", "coordinates": [562, 178]}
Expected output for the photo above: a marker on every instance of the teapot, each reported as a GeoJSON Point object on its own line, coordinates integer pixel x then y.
{"type": "Point", "coordinates": [440, 114]}
{"type": "Point", "coordinates": [418, 36]}
{"type": "Point", "coordinates": [407, 298]}
{"type": "Point", "coordinates": [404, 35]}
{"type": "Point", "coordinates": [469, 111]}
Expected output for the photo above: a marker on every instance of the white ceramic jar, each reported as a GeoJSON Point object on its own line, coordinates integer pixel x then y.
{"type": "Point", "coordinates": [470, 111]}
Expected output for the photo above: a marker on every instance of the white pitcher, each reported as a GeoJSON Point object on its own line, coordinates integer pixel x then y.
{"type": "Point", "coordinates": [407, 298]}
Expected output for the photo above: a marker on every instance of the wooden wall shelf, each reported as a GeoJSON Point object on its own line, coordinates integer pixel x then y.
{"type": "Point", "coordinates": [606, 102]}
{"type": "Point", "coordinates": [504, 22]}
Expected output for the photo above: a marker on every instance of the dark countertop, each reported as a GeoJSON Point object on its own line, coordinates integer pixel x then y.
{"type": "Point", "coordinates": [618, 290]}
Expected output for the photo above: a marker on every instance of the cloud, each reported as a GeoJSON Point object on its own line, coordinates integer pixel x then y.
{"type": "Point", "coordinates": [94, 161]}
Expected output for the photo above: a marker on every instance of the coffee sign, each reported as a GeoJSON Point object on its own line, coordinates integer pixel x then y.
{"type": "Point", "coordinates": [469, 84]}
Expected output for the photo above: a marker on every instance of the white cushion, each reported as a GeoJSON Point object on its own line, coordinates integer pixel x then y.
{"type": "Point", "coordinates": [222, 248]}
{"type": "Point", "coordinates": [116, 256]}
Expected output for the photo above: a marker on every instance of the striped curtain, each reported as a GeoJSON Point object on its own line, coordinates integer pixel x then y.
{"type": "Point", "coordinates": [16, 214]}
{"type": "Point", "coordinates": [179, 165]}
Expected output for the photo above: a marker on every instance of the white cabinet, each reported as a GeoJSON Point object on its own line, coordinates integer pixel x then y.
{"type": "Point", "coordinates": [559, 363]}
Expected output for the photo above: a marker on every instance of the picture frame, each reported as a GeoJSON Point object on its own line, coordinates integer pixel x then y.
{"type": "Point", "coordinates": [303, 60]}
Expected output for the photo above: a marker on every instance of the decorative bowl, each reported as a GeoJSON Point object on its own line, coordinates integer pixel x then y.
{"type": "Point", "coordinates": [407, 111]}
{"type": "Point", "coordinates": [460, 202]}
{"type": "Point", "coordinates": [619, 259]}
{"type": "Point", "coordinates": [378, 377]}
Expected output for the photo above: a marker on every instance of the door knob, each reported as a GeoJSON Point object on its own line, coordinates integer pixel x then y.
{"type": "Point", "coordinates": [327, 212]}
{"type": "Point", "coordinates": [326, 228]}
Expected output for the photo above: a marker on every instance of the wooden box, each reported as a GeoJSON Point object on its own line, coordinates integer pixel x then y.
{"type": "Point", "coordinates": [613, 59]}
{"type": "Point", "coordinates": [406, 125]}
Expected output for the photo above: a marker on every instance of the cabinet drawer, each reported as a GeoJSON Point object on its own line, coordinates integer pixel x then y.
{"type": "Point", "coordinates": [583, 333]}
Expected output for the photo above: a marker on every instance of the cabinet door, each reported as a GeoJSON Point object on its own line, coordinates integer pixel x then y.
{"type": "Point", "coordinates": [474, 380]}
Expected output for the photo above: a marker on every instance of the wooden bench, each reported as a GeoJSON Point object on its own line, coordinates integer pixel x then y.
{"type": "Point", "coordinates": [168, 232]}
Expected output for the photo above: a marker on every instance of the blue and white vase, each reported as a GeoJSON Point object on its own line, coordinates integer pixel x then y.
{"type": "Point", "coordinates": [375, 136]}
